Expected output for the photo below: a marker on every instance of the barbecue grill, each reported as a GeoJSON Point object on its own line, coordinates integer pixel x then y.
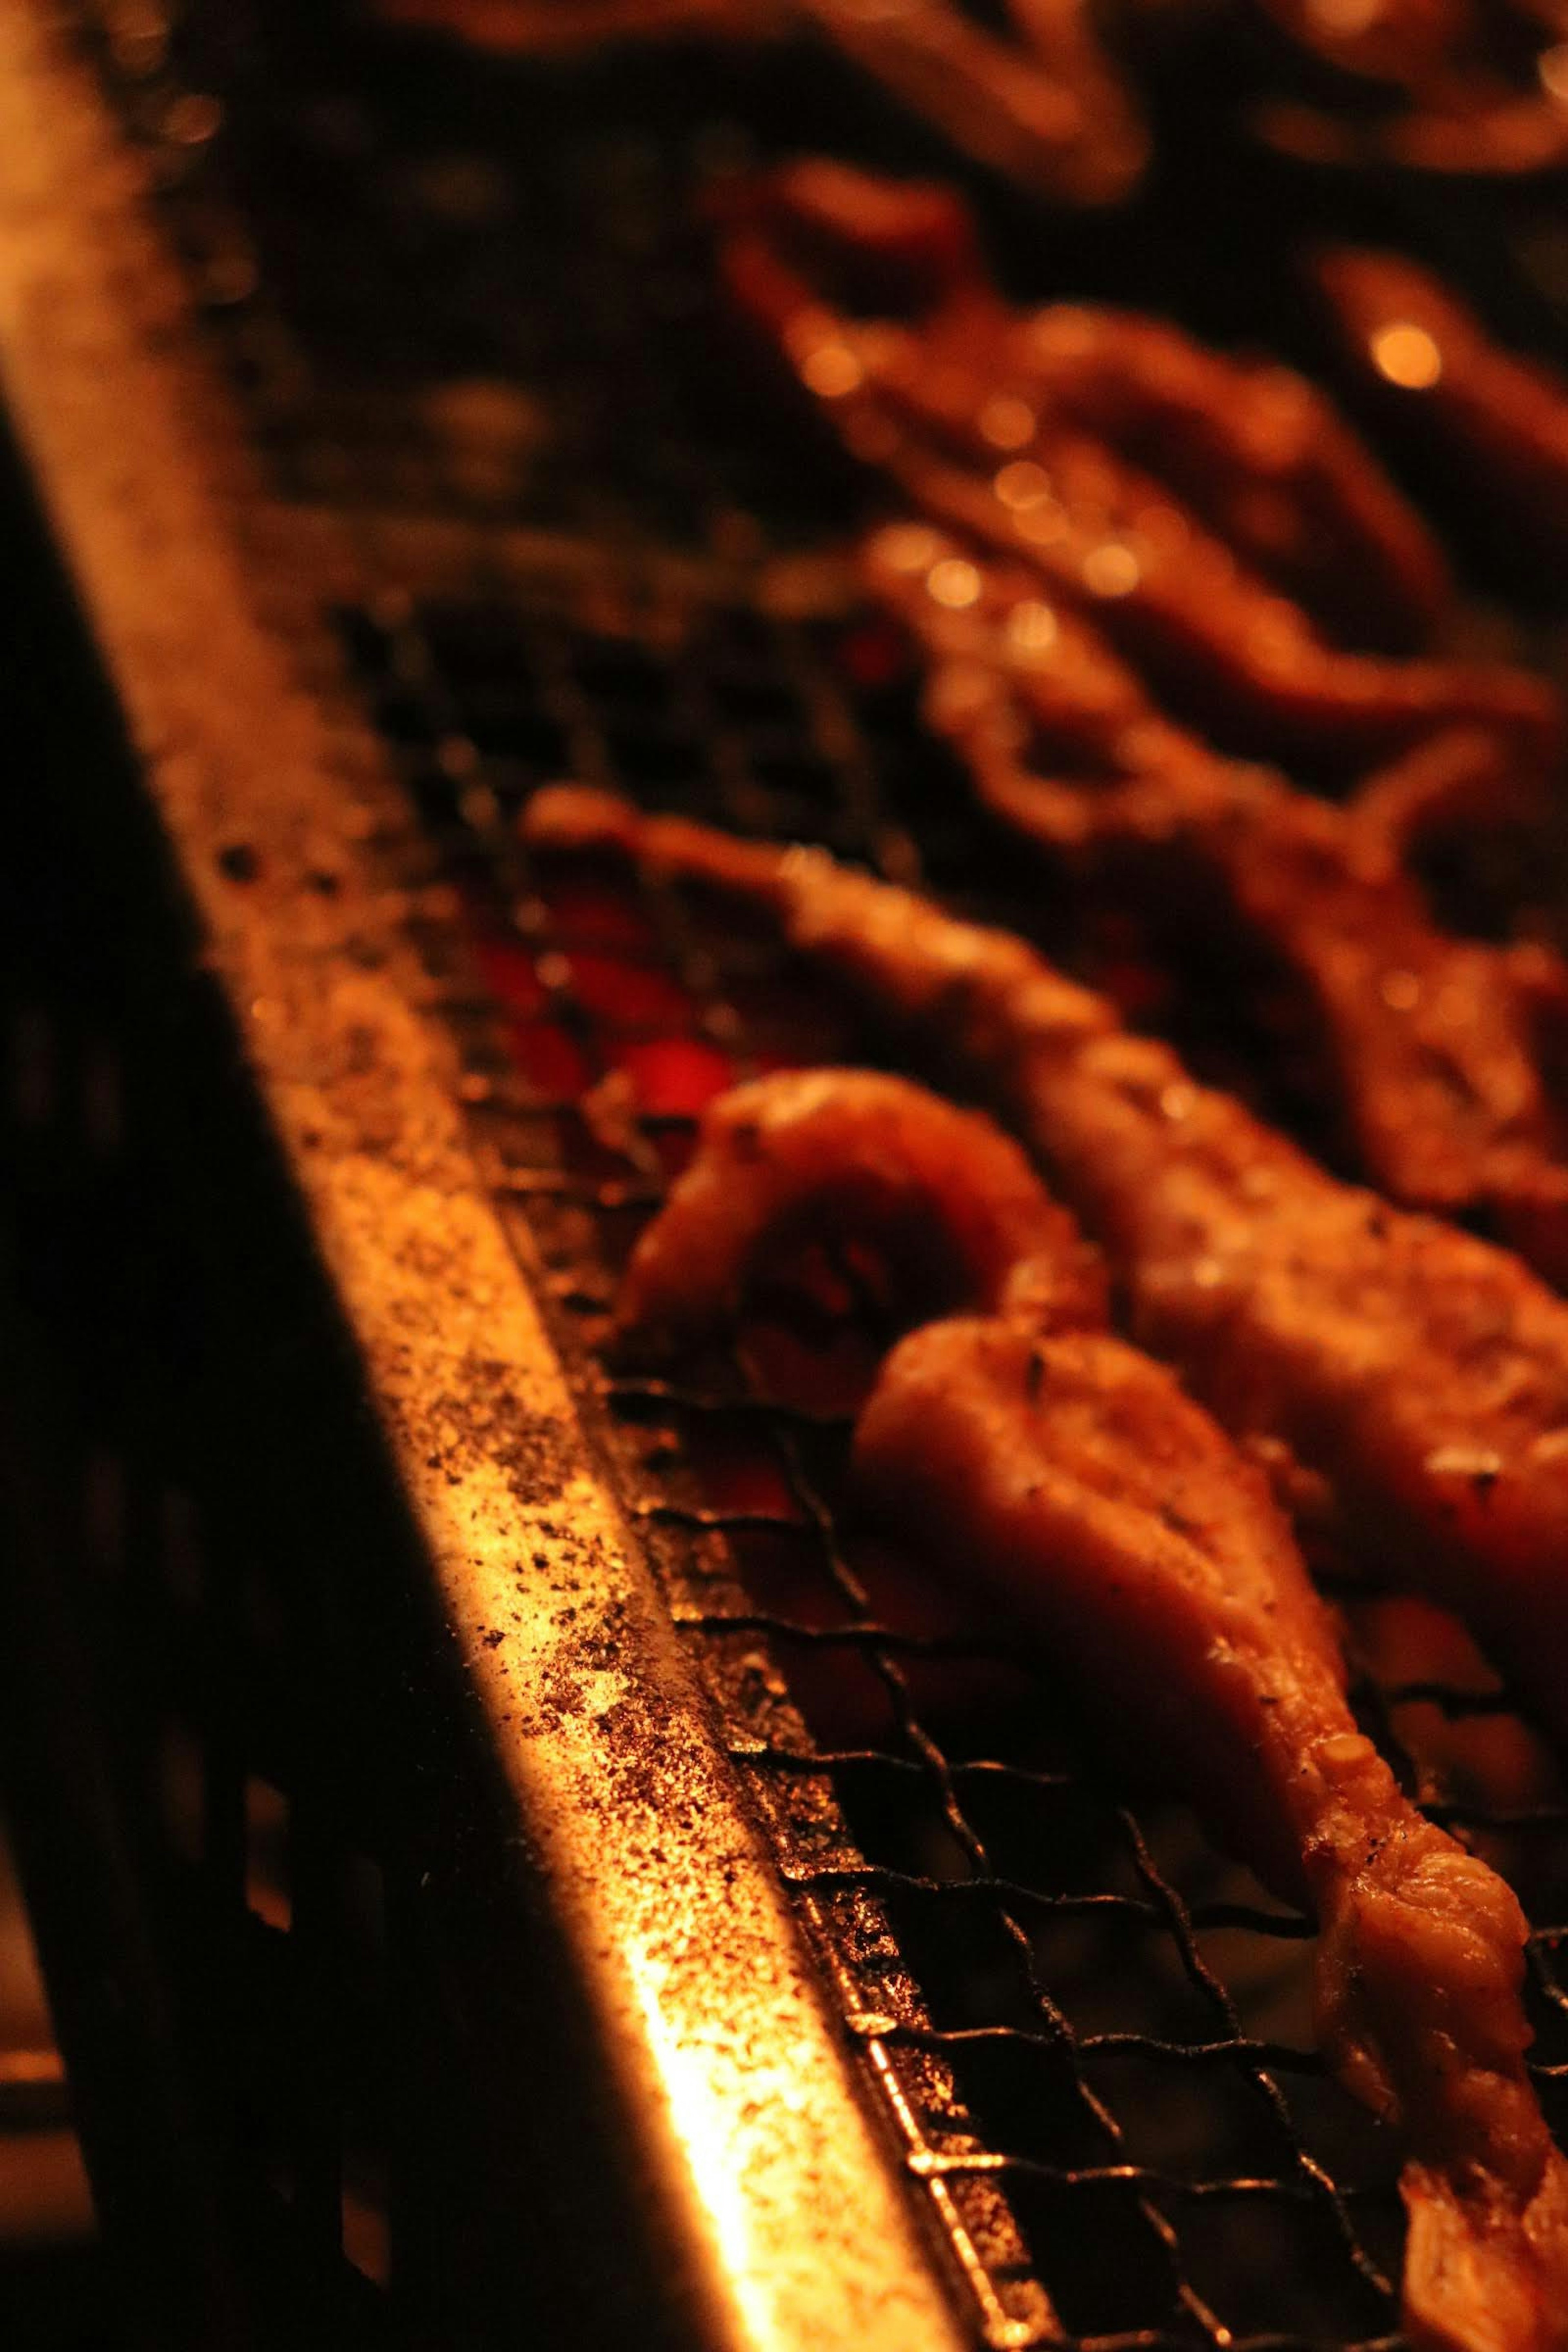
{"type": "Point", "coordinates": [510, 1856]}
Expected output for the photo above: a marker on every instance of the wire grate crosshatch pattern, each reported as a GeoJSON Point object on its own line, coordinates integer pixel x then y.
{"type": "Point", "coordinates": [1292, 2241]}
{"type": "Point", "coordinates": [1089, 2031]}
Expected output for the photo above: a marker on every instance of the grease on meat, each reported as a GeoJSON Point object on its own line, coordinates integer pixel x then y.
{"type": "Point", "coordinates": [950, 1199]}
{"type": "Point", "coordinates": [976, 412]}
{"type": "Point", "coordinates": [1422, 1374]}
{"type": "Point", "coordinates": [1113, 1517]}
{"type": "Point", "coordinates": [1431, 1044]}
{"type": "Point", "coordinates": [1500, 417]}
{"type": "Point", "coordinates": [1443, 86]}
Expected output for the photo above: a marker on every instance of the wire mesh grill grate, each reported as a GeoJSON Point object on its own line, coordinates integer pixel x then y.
{"type": "Point", "coordinates": [1090, 2031]}
{"type": "Point", "coordinates": [1119, 2015]}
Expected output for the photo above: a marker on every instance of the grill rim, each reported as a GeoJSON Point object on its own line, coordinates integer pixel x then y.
{"type": "Point", "coordinates": [784, 2217]}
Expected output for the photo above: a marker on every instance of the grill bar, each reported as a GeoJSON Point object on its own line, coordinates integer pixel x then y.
{"type": "Point", "coordinates": [773, 2219]}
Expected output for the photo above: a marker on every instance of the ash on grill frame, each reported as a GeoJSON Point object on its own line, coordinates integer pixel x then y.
{"type": "Point", "coordinates": [934, 1886]}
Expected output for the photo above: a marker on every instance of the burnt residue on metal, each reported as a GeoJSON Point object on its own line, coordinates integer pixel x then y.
{"type": "Point", "coordinates": [1083, 2034]}
{"type": "Point", "coordinates": [486, 1425]}
{"type": "Point", "coordinates": [747, 2177]}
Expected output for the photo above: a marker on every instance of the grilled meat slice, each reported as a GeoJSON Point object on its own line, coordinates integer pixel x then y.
{"type": "Point", "coordinates": [1482, 128]}
{"type": "Point", "coordinates": [1429, 1042]}
{"type": "Point", "coordinates": [1403, 45]}
{"type": "Point", "coordinates": [1035, 97]}
{"type": "Point", "coordinates": [1028, 87]}
{"type": "Point", "coordinates": [1263, 460]}
{"type": "Point", "coordinates": [1113, 1518]}
{"type": "Point", "coordinates": [1127, 1531]}
{"type": "Point", "coordinates": [945, 1196]}
{"type": "Point", "coordinates": [1501, 418]}
{"type": "Point", "coordinates": [973, 411]}
{"type": "Point", "coordinates": [1460, 86]}
{"type": "Point", "coordinates": [1422, 1373]}
{"type": "Point", "coordinates": [1244, 665]}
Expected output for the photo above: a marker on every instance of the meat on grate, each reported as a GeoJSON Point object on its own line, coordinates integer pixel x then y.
{"type": "Point", "coordinates": [1500, 417]}
{"type": "Point", "coordinates": [1417, 1375]}
{"type": "Point", "coordinates": [1051, 577]}
{"type": "Point", "coordinates": [1027, 1446]}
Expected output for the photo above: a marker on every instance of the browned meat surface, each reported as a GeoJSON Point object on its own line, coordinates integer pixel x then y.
{"type": "Point", "coordinates": [1428, 1044]}
{"type": "Point", "coordinates": [1448, 85]}
{"type": "Point", "coordinates": [975, 410]}
{"type": "Point", "coordinates": [1027, 87]}
{"type": "Point", "coordinates": [1035, 97]}
{"type": "Point", "coordinates": [944, 1195]}
{"type": "Point", "coordinates": [1403, 43]}
{"type": "Point", "coordinates": [1501, 418]}
{"type": "Point", "coordinates": [1144, 1551]}
{"type": "Point", "coordinates": [1070, 1474]}
{"type": "Point", "coordinates": [1041, 101]}
{"type": "Point", "coordinates": [1422, 1374]}
{"type": "Point", "coordinates": [1046, 562]}
{"type": "Point", "coordinates": [1258, 453]}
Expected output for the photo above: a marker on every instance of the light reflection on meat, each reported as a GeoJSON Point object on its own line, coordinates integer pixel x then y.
{"type": "Point", "coordinates": [1044, 561]}
{"type": "Point", "coordinates": [1070, 1474]}
{"type": "Point", "coordinates": [1418, 1374]}
{"type": "Point", "coordinates": [1428, 1044]}
{"type": "Point", "coordinates": [974, 412]}
{"type": "Point", "coordinates": [1501, 418]}
{"type": "Point", "coordinates": [1259, 455]}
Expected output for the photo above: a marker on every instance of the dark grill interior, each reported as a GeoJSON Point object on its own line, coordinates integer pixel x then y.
{"type": "Point", "coordinates": [586, 537]}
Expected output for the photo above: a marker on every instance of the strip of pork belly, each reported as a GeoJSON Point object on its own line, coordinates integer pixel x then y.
{"type": "Point", "coordinates": [1253, 448]}
{"type": "Point", "coordinates": [948, 1200]}
{"type": "Point", "coordinates": [1500, 417]}
{"type": "Point", "coordinates": [1420, 1374]}
{"type": "Point", "coordinates": [1129, 1534]}
{"type": "Point", "coordinates": [1110, 1516]}
{"type": "Point", "coordinates": [1429, 1042]}
{"type": "Point", "coordinates": [1482, 128]}
{"type": "Point", "coordinates": [1241, 662]}
{"type": "Point", "coordinates": [1259, 455]}
{"type": "Point", "coordinates": [950, 394]}
{"type": "Point", "coordinates": [1042, 103]}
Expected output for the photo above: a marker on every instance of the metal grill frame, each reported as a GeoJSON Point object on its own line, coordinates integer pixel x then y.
{"type": "Point", "coordinates": [835, 1898]}
{"type": "Point", "coordinates": [759, 2180]}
